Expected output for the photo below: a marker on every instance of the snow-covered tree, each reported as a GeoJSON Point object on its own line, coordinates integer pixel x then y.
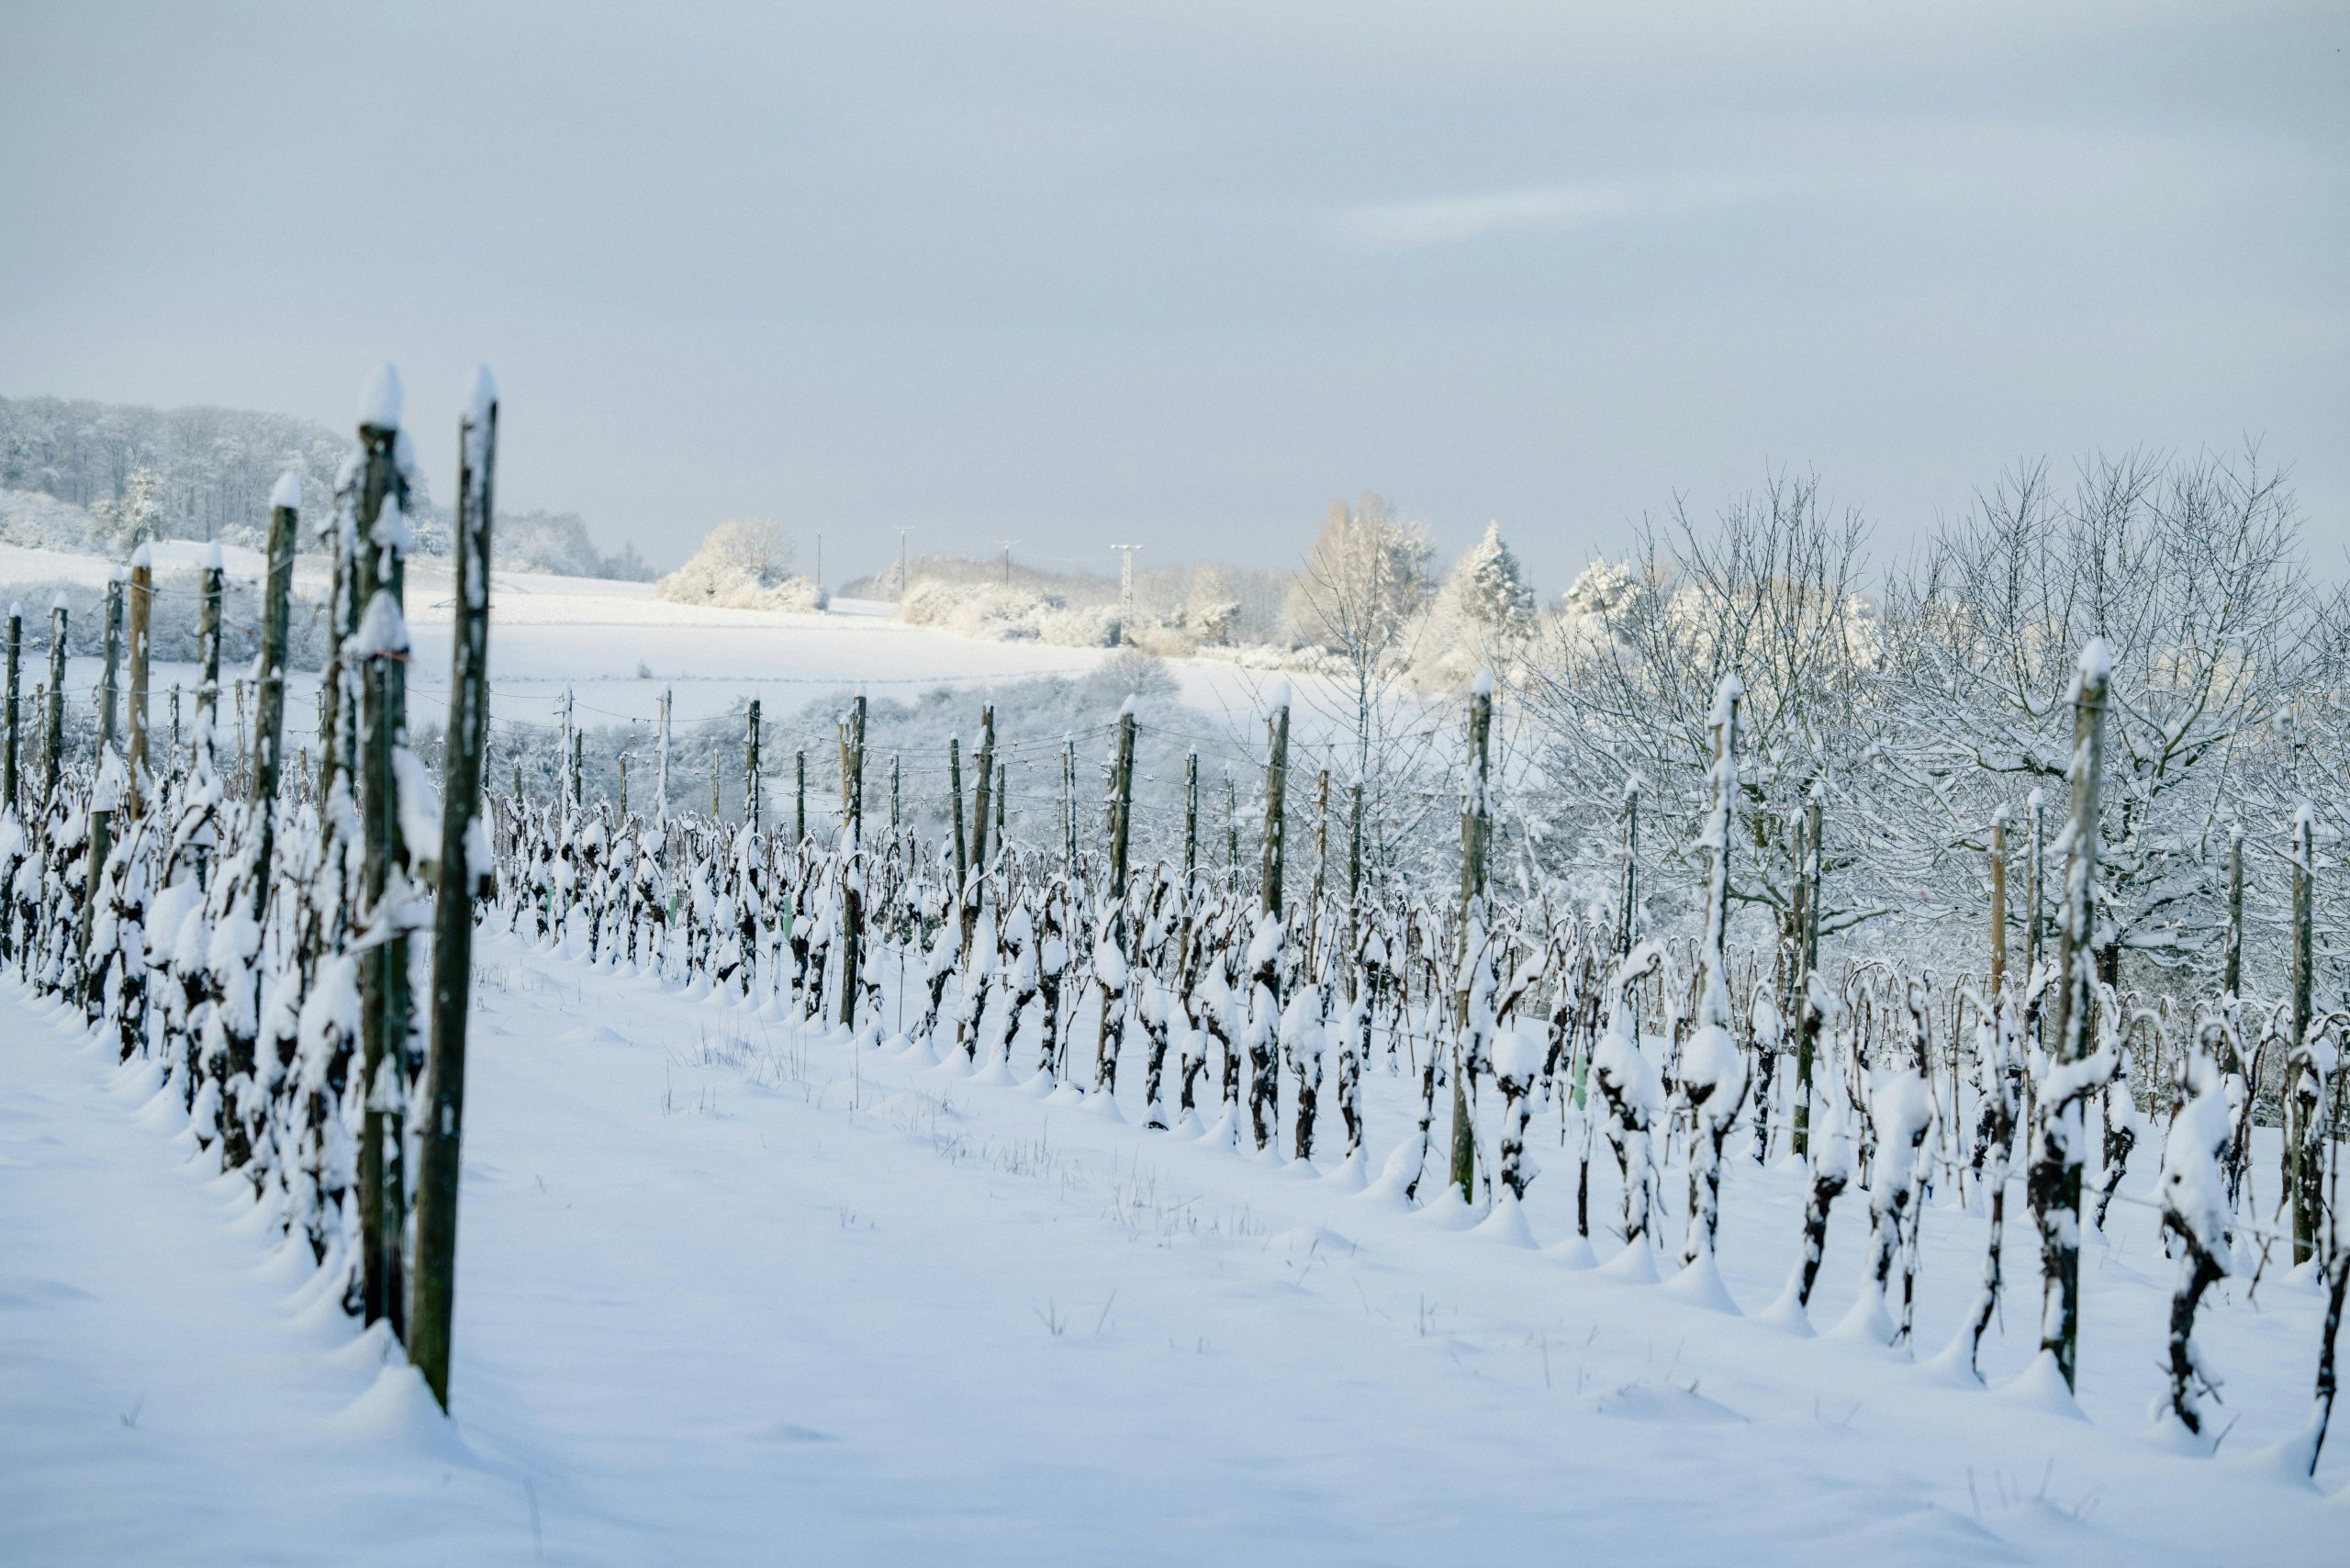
{"type": "Point", "coordinates": [744, 564]}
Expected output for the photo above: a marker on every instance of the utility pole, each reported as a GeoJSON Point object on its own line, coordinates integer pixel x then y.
{"type": "Point", "coordinates": [1126, 590]}
{"type": "Point", "coordinates": [901, 563]}
{"type": "Point", "coordinates": [1007, 544]}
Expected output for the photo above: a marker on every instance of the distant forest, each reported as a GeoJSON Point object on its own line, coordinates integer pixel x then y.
{"type": "Point", "coordinates": [126, 473]}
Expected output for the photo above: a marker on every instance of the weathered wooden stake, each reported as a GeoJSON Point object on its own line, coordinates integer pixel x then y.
{"type": "Point", "coordinates": [385, 1005]}
{"type": "Point", "coordinates": [111, 677]}
{"type": "Point", "coordinates": [269, 734]}
{"type": "Point", "coordinates": [2055, 1180]}
{"type": "Point", "coordinates": [853, 884]}
{"type": "Point", "coordinates": [143, 636]}
{"type": "Point", "coordinates": [462, 881]}
{"type": "Point", "coordinates": [14, 744]}
{"type": "Point", "coordinates": [53, 745]}
{"type": "Point", "coordinates": [751, 768]}
{"type": "Point", "coordinates": [1276, 803]}
{"type": "Point", "coordinates": [1998, 900]}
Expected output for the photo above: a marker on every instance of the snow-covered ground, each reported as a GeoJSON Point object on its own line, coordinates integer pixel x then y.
{"type": "Point", "coordinates": [730, 1291]}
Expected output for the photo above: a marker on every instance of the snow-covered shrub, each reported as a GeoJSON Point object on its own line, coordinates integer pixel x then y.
{"type": "Point", "coordinates": [744, 564]}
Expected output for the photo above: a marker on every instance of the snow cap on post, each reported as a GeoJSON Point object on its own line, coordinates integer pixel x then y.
{"type": "Point", "coordinates": [58, 603]}
{"type": "Point", "coordinates": [1484, 685]}
{"type": "Point", "coordinates": [1730, 691]}
{"type": "Point", "coordinates": [1126, 708]}
{"type": "Point", "coordinates": [142, 556]}
{"type": "Point", "coordinates": [213, 560]}
{"type": "Point", "coordinates": [480, 393]}
{"type": "Point", "coordinates": [391, 530]}
{"type": "Point", "coordinates": [383, 631]}
{"type": "Point", "coordinates": [287, 491]}
{"type": "Point", "coordinates": [1280, 694]}
{"type": "Point", "coordinates": [2096, 662]}
{"type": "Point", "coordinates": [379, 399]}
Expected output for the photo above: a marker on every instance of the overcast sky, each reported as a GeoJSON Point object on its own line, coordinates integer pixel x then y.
{"type": "Point", "coordinates": [1176, 275]}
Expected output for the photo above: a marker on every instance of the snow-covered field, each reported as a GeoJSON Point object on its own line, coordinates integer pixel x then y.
{"type": "Point", "coordinates": [734, 1293]}
{"type": "Point", "coordinates": [619, 648]}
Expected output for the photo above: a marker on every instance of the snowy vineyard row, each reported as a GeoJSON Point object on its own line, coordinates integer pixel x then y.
{"type": "Point", "coordinates": [261, 952]}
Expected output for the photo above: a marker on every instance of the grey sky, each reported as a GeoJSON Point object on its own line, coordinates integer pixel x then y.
{"type": "Point", "coordinates": [1178, 273]}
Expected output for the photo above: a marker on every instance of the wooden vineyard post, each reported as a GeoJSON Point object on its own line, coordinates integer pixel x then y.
{"type": "Point", "coordinates": [894, 759]}
{"type": "Point", "coordinates": [14, 743]}
{"type": "Point", "coordinates": [955, 830]}
{"type": "Point", "coordinates": [143, 635]}
{"type": "Point", "coordinates": [622, 761]}
{"type": "Point", "coordinates": [1068, 805]}
{"type": "Point", "coordinates": [462, 881]}
{"type": "Point", "coordinates": [1002, 802]}
{"type": "Point", "coordinates": [1808, 962]}
{"type": "Point", "coordinates": [2055, 1179]}
{"type": "Point", "coordinates": [1321, 841]}
{"type": "Point", "coordinates": [751, 768]}
{"type": "Point", "coordinates": [976, 874]}
{"type": "Point", "coordinates": [208, 652]}
{"type": "Point", "coordinates": [1276, 803]}
{"type": "Point", "coordinates": [2232, 967]}
{"type": "Point", "coordinates": [1998, 900]}
{"type": "Point", "coordinates": [661, 766]}
{"type": "Point", "coordinates": [1231, 828]}
{"type": "Point", "coordinates": [1111, 1034]}
{"type": "Point", "coordinates": [799, 796]}
{"type": "Point", "coordinates": [565, 789]}
{"type": "Point", "coordinates": [1264, 963]}
{"type": "Point", "coordinates": [1190, 816]}
{"type": "Point", "coordinates": [2032, 896]}
{"type": "Point", "coordinates": [852, 883]}
{"type": "Point", "coordinates": [1476, 833]}
{"type": "Point", "coordinates": [2305, 1161]}
{"type": "Point", "coordinates": [269, 732]}
{"type": "Point", "coordinates": [1354, 882]}
{"type": "Point", "coordinates": [53, 724]}
{"type": "Point", "coordinates": [110, 676]}
{"type": "Point", "coordinates": [385, 1007]}
{"type": "Point", "coordinates": [842, 737]}
{"type": "Point", "coordinates": [103, 797]}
